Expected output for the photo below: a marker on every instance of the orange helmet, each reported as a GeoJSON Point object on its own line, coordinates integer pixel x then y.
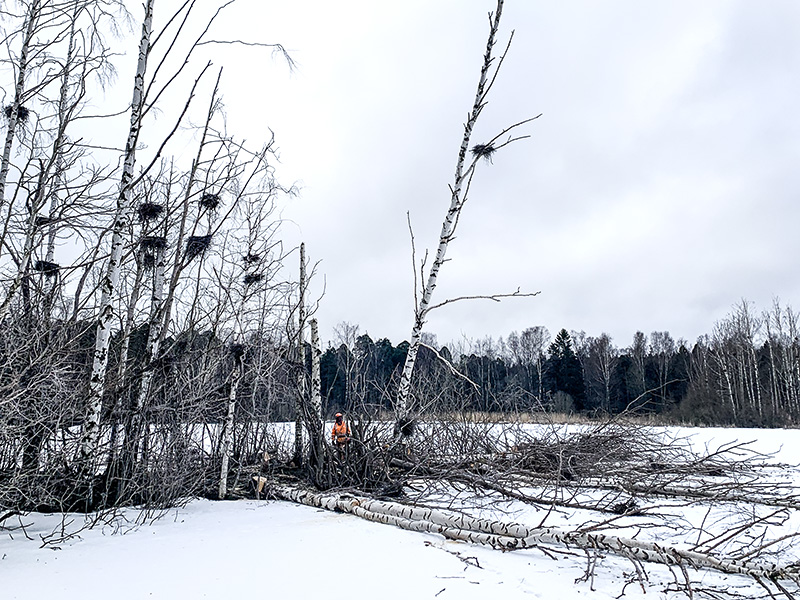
{"type": "Point", "coordinates": [337, 415]}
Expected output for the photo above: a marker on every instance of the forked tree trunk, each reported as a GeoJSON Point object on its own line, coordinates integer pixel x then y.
{"type": "Point", "coordinates": [458, 194]}
{"type": "Point", "coordinates": [91, 428]}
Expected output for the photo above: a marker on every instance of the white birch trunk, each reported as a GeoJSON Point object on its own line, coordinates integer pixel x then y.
{"type": "Point", "coordinates": [316, 380]}
{"type": "Point", "coordinates": [301, 357]}
{"type": "Point", "coordinates": [58, 149]}
{"type": "Point", "coordinates": [91, 428]}
{"type": "Point", "coordinates": [317, 436]}
{"type": "Point", "coordinates": [19, 90]}
{"type": "Point", "coordinates": [153, 345]}
{"type": "Point", "coordinates": [457, 197]}
{"type": "Point", "coordinates": [513, 536]}
{"type": "Point", "coordinates": [226, 447]}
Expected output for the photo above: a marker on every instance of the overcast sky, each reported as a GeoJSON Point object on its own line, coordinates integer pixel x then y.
{"type": "Point", "coordinates": [658, 189]}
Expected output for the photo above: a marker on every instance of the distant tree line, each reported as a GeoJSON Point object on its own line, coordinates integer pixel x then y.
{"type": "Point", "coordinates": [746, 372]}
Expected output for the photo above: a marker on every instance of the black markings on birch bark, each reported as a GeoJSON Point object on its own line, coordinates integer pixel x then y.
{"type": "Point", "coordinates": [124, 211]}
{"type": "Point", "coordinates": [302, 388]}
{"type": "Point", "coordinates": [458, 194]}
{"type": "Point", "coordinates": [514, 536]}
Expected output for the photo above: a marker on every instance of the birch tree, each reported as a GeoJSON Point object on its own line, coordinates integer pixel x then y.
{"type": "Point", "coordinates": [146, 95]}
{"type": "Point", "coordinates": [60, 49]}
{"type": "Point", "coordinates": [91, 428]}
{"type": "Point", "coordinates": [459, 191]}
{"type": "Point", "coordinates": [256, 255]}
{"type": "Point", "coordinates": [315, 417]}
{"type": "Point", "coordinates": [302, 388]}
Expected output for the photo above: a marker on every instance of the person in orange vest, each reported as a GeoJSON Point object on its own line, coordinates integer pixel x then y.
{"type": "Point", "coordinates": [340, 434]}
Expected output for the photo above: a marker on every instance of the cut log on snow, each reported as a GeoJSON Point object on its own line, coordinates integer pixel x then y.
{"type": "Point", "coordinates": [514, 536]}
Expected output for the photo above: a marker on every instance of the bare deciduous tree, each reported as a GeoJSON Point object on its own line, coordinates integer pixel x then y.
{"type": "Point", "coordinates": [459, 192]}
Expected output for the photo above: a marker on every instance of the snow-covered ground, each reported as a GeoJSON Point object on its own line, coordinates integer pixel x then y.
{"type": "Point", "coordinates": [269, 549]}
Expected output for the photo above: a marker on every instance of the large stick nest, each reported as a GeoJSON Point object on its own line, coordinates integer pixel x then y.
{"type": "Point", "coordinates": [197, 245]}
{"type": "Point", "coordinates": [149, 210]}
{"type": "Point", "coordinates": [22, 113]}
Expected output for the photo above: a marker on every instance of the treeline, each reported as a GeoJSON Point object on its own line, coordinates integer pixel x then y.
{"type": "Point", "coordinates": [746, 372]}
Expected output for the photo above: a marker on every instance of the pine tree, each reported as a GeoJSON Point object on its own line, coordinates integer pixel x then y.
{"type": "Point", "coordinates": [563, 369]}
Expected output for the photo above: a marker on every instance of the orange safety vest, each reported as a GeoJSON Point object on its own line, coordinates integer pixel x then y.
{"type": "Point", "coordinates": [340, 432]}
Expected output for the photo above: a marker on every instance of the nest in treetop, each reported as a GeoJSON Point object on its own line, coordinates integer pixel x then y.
{"type": "Point", "coordinates": [44, 221]}
{"type": "Point", "coordinates": [197, 245]}
{"type": "Point", "coordinates": [153, 242]}
{"type": "Point", "coordinates": [22, 112]}
{"type": "Point", "coordinates": [405, 426]}
{"type": "Point", "coordinates": [148, 260]}
{"type": "Point", "coordinates": [253, 278]}
{"type": "Point", "coordinates": [46, 267]}
{"type": "Point", "coordinates": [149, 210]}
{"type": "Point", "coordinates": [252, 258]}
{"type": "Point", "coordinates": [209, 201]}
{"type": "Point", "coordinates": [238, 351]}
{"type": "Point", "coordinates": [483, 151]}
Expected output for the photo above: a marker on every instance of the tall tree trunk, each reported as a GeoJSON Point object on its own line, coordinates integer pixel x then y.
{"type": "Point", "coordinates": [315, 421]}
{"type": "Point", "coordinates": [463, 174]}
{"type": "Point", "coordinates": [180, 264]}
{"type": "Point", "coordinates": [301, 359]}
{"type": "Point", "coordinates": [226, 436]}
{"type": "Point", "coordinates": [226, 446]}
{"type": "Point", "coordinates": [138, 427]}
{"type": "Point", "coordinates": [19, 91]}
{"type": "Point", "coordinates": [90, 433]}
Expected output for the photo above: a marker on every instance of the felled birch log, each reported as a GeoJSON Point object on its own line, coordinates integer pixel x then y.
{"type": "Point", "coordinates": [515, 536]}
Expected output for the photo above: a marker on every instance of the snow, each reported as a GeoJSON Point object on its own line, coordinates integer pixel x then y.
{"type": "Point", "coordinates": [280, 550]}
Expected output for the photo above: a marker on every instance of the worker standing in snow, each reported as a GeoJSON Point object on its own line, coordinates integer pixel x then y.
{"type": "Point", "coordinates": [340, 435]}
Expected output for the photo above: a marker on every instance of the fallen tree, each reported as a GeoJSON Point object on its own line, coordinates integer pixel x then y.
{"type": "Point", "coordinates": [624, 489]}
{"type": "Point", "coordinates": [514, 536]}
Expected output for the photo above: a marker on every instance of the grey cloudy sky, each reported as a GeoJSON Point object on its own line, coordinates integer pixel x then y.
{"type": "Point", "coordinates": [658, 188]}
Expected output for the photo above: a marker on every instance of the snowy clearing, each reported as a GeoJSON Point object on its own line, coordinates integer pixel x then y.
{"type": "Point", "coordinates": [269, 548]}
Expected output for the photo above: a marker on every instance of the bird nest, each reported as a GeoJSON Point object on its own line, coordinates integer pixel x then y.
{"type": "Point", "coordinates": [149, 211]}
{"type": "Point", "coordinates": [483, 151]}
{"type": "Point", "coordinates": [22, 113]}
{"type": "Point", "coordinates": [148, 261]}
{"type": "Point", "coordinates": [209, 201]}
{"type": "Point", "coordinates": [197, 245]}
{"type": "Point", "coordinates": [251, 278]}
{"type": "Point", "coordinates": [44, 221]}
{"type": "Point", "coordinates": [46, 268]}
{"type": "Point", "coordinates": [153, 242]}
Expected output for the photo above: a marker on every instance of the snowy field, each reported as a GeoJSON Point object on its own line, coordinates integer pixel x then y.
{"type": "Point", "coordinates": [270, 549]}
